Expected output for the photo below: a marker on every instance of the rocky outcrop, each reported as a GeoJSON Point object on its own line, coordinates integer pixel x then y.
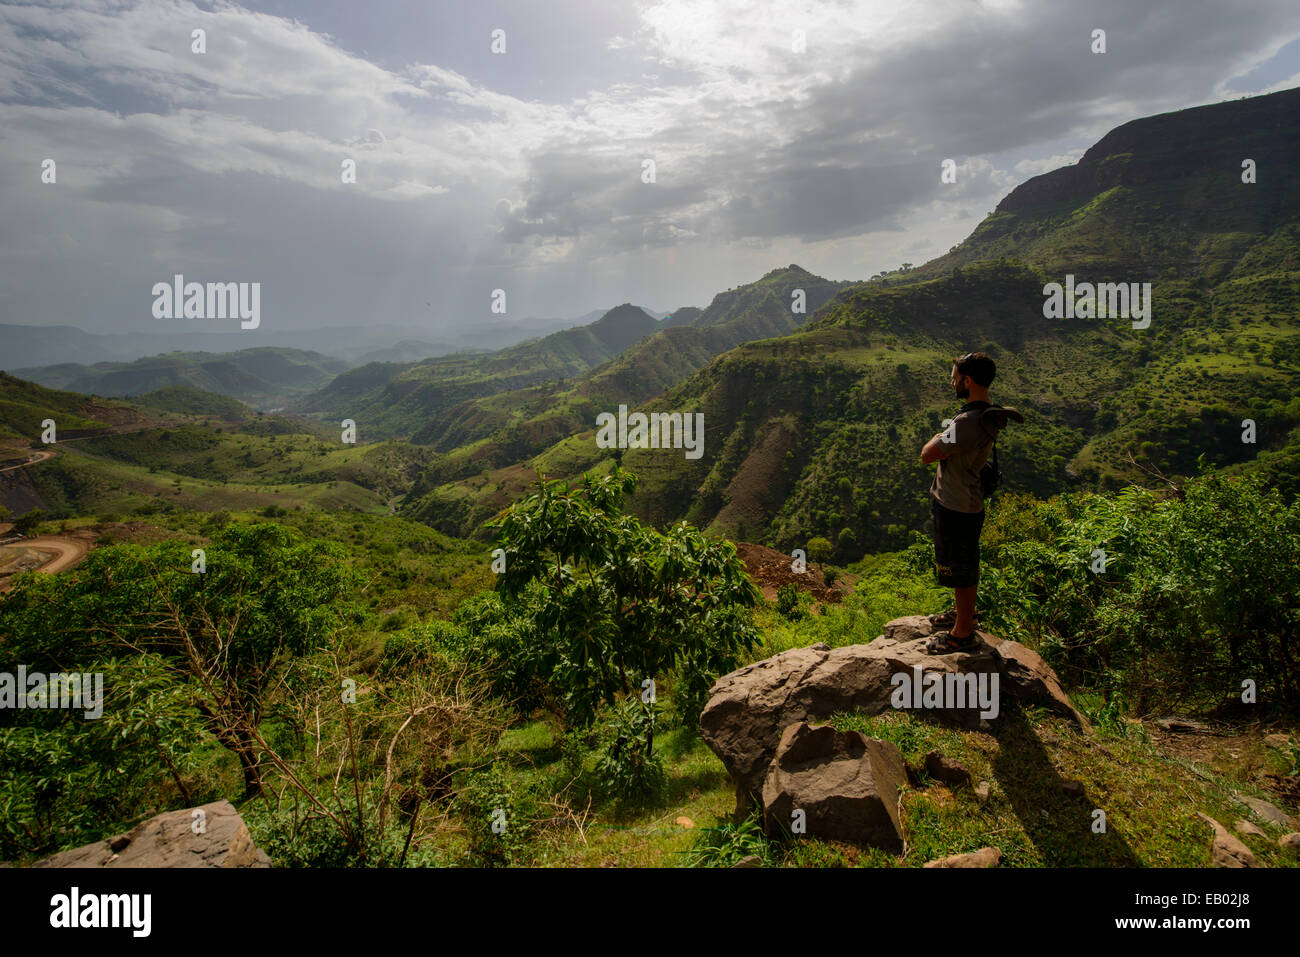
{"type": "Point", "coordinates": [213, 835]}
{"type": "Point", "coordinates": [846, 785]}
{"type": "Point", "coordinates": [1269, 812]}
{"type": "Point", "coordinates": [749, 709]}
{"type": "Point", "coordinates": [1226, 850]}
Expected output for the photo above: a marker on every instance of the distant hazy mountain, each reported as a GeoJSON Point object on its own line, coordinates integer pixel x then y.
{"type": "Point", "coordinates": [396, 399]}
{"type": "Point", "coordinates": [408, 350]}
{"type": "Point", "coordinates": [527, 421]}
{"type": "Point", "coordinates": [260, 377]}
{"type": "Point", "coordinates": [31, 346]}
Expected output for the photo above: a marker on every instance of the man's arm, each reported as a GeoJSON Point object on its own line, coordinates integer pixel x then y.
{"type": "Point", "coordinates": [934, 450]}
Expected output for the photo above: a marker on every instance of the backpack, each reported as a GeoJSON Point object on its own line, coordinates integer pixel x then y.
{"type": "Point", "coordinates": [991, 474]}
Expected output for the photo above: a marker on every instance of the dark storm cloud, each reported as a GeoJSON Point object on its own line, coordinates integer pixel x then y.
{"type": "Point", "coordinates": [524, 171]}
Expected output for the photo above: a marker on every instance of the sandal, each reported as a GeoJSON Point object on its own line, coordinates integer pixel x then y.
{"type": "Point", "coordinates": [946, 619]}
{"type": "Point", "coordinates": [945, 643]}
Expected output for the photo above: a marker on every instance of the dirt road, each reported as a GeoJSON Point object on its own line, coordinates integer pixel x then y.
{"type": "Point", "coordinates": [45, 553]}
{"type": "Point", "coordinates": [67, 551]}
{"type": "Point", "coordinates": [38, 457]}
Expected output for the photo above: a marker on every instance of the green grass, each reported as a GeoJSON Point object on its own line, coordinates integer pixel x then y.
{"type": "Point", "coordinates": [1150, 801]}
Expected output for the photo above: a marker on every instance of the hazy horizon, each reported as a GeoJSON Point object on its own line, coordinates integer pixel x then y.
{"type": "Point", "coordinates": [523, 170]}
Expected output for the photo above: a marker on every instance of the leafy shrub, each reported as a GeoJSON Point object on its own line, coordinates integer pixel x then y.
{"type": "Point", "coordinates": [66, 780]}
{"type": "Point", "coordinates": [398, 619]}
{"type": "Point", "coordinates": [730, 843]}
{"type": "Point", "coordinates": [787, 602]}
{"type": "Point", "coordinates": [500, 816]}
{"type": "Point", "coordinates": [406, 650]}
{"type": "Point", "coordinates": [1198, 592]}
{"type": "Point", "coordinates": [502, 640]}
{"type": "Point", "coordinates": [601, 602]}
{"type": "Point", "coordinates": [292, 838]}
{"type": "Point", "coordinates": [26, 524]}
{"type": "Point", "coordinates": [629, 770]}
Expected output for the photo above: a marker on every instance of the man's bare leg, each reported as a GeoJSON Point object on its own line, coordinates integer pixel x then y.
{"type": "Point", "coordinates": [964, 599]}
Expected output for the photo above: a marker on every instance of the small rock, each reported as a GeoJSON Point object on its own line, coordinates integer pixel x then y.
{"type": "Point", "coordinates": [751, 860]}
{"type": "Point", "coordinates": [982, 792]}
{"type": "Point", "coordinates": [1278, 741]}
{"type": "Point", "coordinates": [984, 857]}
{"type": "Point", "coordinates": [1182, 725]}
{"type": "Point", "coordinates": [119, 843]}
{"type": "Point", "coordinates": [1289, 842]}
{"type": "Point", "coordinates": [685, 822]}
{"type": "Point", "coordinates": [1245, 827]}
{"type": "Point", "coordinates": [820, 646]}
{"type": "Point", "coordinates": [1269, 812]}
{"type": "Point", "coordinates": [1227, 851]}
{"type": "Point", "coordinates": [1073, 788]}
{"type": "Point", "coordinates": [946, 769]}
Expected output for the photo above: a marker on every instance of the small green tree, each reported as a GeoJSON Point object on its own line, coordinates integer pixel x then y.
{"type": "Point", "coordinates": [267, 596]}
{"type": "Point", "coordinates": [621, 604]}
{"type": "Point", "coordinates": [819, 549]}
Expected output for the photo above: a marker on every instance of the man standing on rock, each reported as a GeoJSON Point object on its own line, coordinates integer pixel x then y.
{"type": "Point", "coordinates": [957, 496]}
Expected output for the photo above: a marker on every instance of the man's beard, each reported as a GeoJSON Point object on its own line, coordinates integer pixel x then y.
{"type": "Point", "coordinates": [962, 392]}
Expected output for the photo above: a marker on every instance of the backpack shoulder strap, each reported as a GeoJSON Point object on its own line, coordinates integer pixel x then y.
{"type": "Point", "coordinates": [999, 414]}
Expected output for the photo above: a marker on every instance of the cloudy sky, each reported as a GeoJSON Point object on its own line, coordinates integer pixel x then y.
{"type": "Point", "coordinates": [523, 169]}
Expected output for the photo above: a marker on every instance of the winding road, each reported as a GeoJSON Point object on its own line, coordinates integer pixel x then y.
{"type": "Point", "coordinates": [44, 553]}
{"type": "Point", "coordinates": [38, 457]}
{"type": "Point", "coordinates": [56, 552]}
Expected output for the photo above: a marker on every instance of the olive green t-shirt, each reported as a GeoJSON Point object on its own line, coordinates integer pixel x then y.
{"type": "Point", "coordinates": [957, 482]}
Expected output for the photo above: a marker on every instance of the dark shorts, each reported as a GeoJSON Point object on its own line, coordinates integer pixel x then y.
{"type": "Point", "coordinates": [956, 545]}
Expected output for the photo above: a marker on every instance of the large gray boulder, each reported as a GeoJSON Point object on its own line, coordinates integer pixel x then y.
{"type": "Point", "coordinates": [846, 785]}
{"type": "Point", "coordinates": [215, 838]}
{"type": "Point", "coordinates": [750, 708]}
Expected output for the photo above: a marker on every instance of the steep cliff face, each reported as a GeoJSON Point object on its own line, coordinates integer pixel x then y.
{"type": "Point", "coordinates": [1186, 144]}
{"type": "Point", "coordinates": [1162, 196]}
